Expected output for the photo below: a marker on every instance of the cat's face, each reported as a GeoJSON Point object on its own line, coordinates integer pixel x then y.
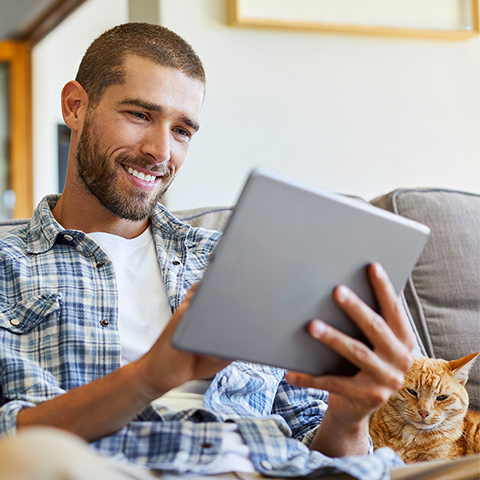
{"type": "Point", "coordinates": [433, 396]}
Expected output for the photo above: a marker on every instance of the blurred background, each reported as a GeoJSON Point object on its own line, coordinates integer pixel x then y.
{"type": "Point", "coordinates": [355, 113]}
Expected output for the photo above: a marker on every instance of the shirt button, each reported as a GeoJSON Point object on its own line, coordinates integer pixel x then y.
{"type": "Point", "coordinates": [198, 416]}
{"type": "Point", "coordinates": [223, 381]}
{"type": "Point", "coordinates": [176, 262]}
{"type": "Point", "coordinates": [68, 237]}
{"type": "Point", "coordinates": [15, 322]}
{"type": "Point", "coordinates": [206, 445]}
{"type": "Point", "coordinates": [100, 264]}
{"type": "Point", "coordinates": [104, 322]}
{"type": "Point", "coordinates": [266, 464]}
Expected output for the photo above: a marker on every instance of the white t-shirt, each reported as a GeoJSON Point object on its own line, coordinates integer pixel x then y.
{"type": "Point", "coordinates": [143, 312]}
{"type": "Point", "coordinates": [143, 308]}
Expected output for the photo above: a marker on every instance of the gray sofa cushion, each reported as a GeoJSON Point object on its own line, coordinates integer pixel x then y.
{"type": "Point", "coordinates": [214, 218]}
{"type": "Point", "coordinates": [443, 293]}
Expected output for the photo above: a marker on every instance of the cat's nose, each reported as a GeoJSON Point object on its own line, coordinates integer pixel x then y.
{"type": "Point", "coordinates": [424, 414]}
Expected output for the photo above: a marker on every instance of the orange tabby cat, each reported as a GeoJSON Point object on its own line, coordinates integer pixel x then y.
{"type": "Point", "coordinates": [428, 418]}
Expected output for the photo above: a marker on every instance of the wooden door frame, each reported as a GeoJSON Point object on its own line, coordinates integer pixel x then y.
{"type": "Point", "coordinates": [17, 56]}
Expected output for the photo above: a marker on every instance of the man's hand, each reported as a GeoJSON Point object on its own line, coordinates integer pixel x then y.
{"type": "Point", "coordinates": [344, 429]}
{"type": "Point", "coordinates": [164, 367]}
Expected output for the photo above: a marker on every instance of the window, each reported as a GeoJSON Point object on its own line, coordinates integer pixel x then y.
{"type": "Point", "coordinates": [15, 129]}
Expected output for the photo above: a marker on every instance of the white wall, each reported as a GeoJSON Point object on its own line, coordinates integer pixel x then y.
{"type": "Point", "coordinates": [356, 114]}
{"type": "Point", "coordinates": [55, 61]}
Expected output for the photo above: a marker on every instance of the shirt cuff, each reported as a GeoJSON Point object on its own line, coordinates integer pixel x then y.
{"type": "Point", "coordinates": [8, 417]}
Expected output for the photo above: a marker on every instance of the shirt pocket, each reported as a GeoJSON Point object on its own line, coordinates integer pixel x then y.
{"type": "Point", "coordinates": [23, 316]}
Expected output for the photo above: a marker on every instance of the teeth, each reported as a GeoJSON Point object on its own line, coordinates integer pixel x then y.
{"type": "Point", "coordinates": [141, 175]}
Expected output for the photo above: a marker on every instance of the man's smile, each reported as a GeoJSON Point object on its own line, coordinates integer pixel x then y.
{"type": "Point", "coordinates": [140, 175]}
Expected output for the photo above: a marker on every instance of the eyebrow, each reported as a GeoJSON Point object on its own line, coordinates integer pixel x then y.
{"type": "Point", "coordinates": [153, 107]}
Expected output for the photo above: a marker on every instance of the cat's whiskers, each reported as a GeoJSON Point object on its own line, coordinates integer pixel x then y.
{"type": "Point", "coordinates": [462, 435]}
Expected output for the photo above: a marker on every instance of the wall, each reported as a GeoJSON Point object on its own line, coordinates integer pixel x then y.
{"type": "Point", "coordinates": [357, 114]}
{"type": "Point", "coordinates": [351, 113]}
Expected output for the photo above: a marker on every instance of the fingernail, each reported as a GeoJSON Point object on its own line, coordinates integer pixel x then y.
{"type": "Point", "coordinates": [317, 328]}
{"type": "Point", "coordinates": [380, 271]}
{"type": "Point", "coordinates": [342, 293]}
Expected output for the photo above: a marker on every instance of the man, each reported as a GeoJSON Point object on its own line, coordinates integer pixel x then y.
{"type": "Point", "coordinates": [88, 285]}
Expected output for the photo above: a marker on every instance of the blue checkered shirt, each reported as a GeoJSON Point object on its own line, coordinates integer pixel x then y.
{"type": "Point", "coordinates": [57, 289]}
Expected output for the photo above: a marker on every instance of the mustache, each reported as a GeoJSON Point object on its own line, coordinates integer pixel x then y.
{"type": "Point", "coordinates": [133, 161]}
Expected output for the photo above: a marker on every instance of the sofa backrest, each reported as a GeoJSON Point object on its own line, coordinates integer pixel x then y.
{"type": "Point", "coordinates": [443, 292]}
{"type": "Point", "coordinates": [214, 218]}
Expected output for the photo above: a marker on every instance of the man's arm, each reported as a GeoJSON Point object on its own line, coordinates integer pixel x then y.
{"type": "Point", "coordinates": [344, 428]}
{"type": "Point", "coordinates": [104, 406]}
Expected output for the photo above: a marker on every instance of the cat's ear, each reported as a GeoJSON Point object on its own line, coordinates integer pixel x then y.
{"type": "Point", "coordinates": [461, 367]}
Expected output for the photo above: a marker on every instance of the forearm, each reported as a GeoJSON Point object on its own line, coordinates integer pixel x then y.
{"type": "Point", "coordinates": [337, 439]}
{"type": "Point", "coordinates": [106, 405]}
{"type": "Point", "coordinates": [94, 410]}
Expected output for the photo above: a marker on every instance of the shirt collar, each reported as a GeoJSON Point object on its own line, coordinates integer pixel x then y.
{"type": "Point", "coordinates": [163, 220]}
{"type": "Point", "coordinates": [43, 230]}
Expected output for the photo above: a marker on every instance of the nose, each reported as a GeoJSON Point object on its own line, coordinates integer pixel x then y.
{"type": "Point", "coordinates": [156, 144]}
{"type": "Point", "coordinates": [424, 414]}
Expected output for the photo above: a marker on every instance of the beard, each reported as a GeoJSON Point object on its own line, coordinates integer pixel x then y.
{"type": "Point", "coordinates": [98, 176]}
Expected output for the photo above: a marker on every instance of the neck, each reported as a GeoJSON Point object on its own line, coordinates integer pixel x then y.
{"type": "Point", "coordinates": [87, 214]}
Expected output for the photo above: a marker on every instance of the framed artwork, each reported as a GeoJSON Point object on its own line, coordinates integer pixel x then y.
{"type": "Point", "coordinates": [448, 19]}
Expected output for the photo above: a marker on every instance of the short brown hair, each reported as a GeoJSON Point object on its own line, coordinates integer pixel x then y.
{"type": "Point", "coordinates": [101, 66]}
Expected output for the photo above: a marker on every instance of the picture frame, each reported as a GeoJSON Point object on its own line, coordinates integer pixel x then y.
{"type": "Point", "coordinates": [442, 19]}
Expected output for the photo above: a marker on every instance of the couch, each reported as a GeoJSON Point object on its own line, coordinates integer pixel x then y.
{"type": "Point", "coordinates": [442, 295]}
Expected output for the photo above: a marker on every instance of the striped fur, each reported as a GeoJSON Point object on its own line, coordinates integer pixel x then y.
{"type": "Point", "coordinates": [428, 418]}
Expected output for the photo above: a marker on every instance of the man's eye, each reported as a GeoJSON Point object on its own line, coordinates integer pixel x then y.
{"type": "Point", "coordinates": [183, 132]}
{"type": "Point", "coordinates": [139, 115]}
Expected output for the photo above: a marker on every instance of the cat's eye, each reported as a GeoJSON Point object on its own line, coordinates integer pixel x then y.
{"type": "Point", "coordinates": [412, 392]}
{"type": "Point", "coordinates": [442, 397]}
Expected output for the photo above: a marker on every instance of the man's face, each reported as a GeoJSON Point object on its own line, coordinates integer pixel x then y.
{"type": "Point", "coordinates": [135, 140]}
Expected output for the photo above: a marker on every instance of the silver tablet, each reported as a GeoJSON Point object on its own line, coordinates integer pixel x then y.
{"type": "Point", "coordinates": [285, 248]}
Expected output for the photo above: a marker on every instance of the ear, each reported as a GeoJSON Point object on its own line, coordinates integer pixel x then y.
{"type": "Point", "coordinates": [74, 105]}
{"type": "Point", "coordinates": [460, 368]}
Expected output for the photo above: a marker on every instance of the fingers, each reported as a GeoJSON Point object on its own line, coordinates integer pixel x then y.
{"type": "Point", "coordinates": [390, 305]}
{"type": "Point", "coordinates": [177, 316]}
{"type": "Point", "coordinates": [189, 297]}
{"type": "Point", "coordinates": [389, 332]}
{"type": "Point", "coordinates": [372, 394]}
{"type": "Point", "coordinates": [391, 337]}
{"type": "Point", "coordinates": [385, 343]}
{"type": "Point", "coordinates": [360, 355]}
{"type": "Point", "coordinates": [382, 367]}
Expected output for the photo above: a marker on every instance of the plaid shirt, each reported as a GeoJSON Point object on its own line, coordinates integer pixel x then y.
{"type": "Point", "coordinates": [57, 290]}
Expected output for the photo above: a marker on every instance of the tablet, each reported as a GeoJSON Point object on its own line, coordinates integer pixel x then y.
{"type": "Point", "coordinates": [285, 248]}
